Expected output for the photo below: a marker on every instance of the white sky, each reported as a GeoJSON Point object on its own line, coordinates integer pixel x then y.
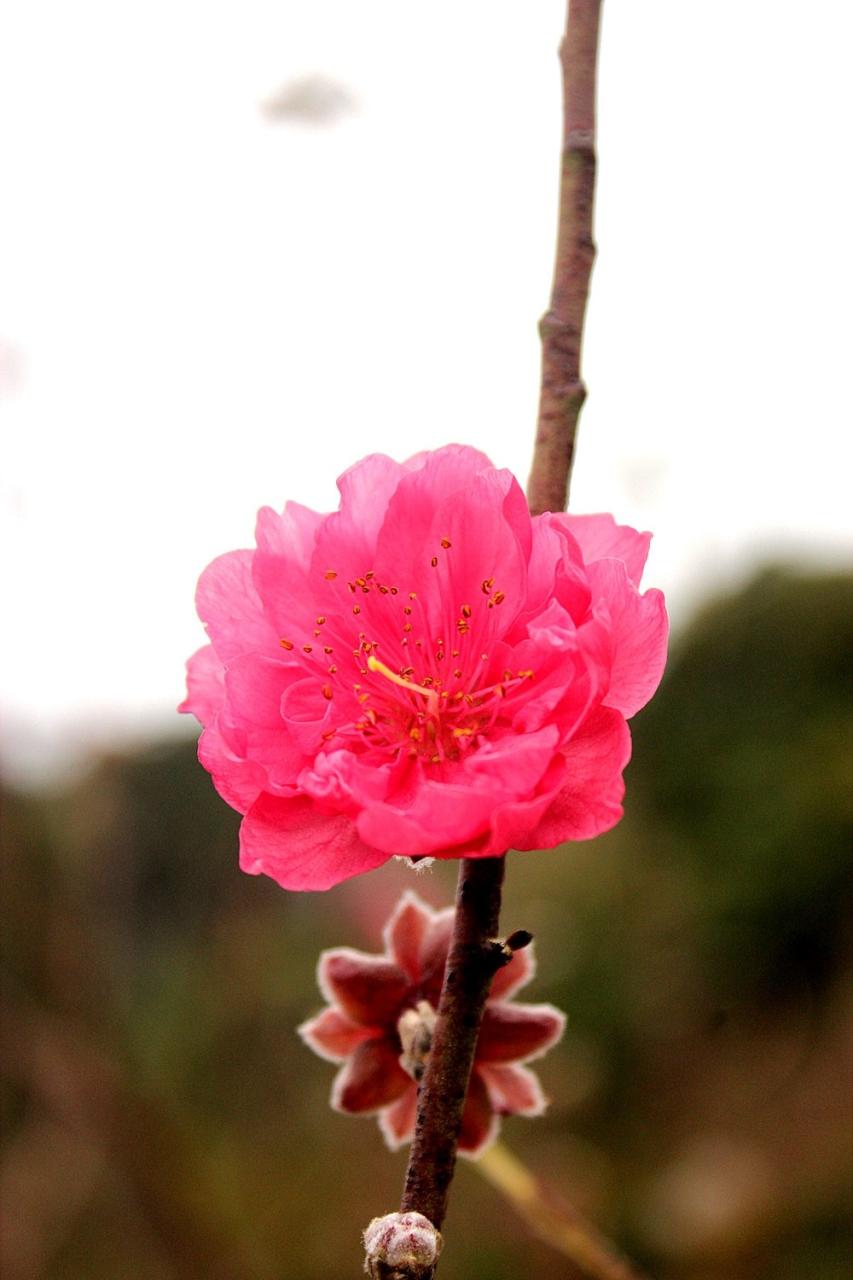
{"type": "Point", "coordinates": [202, 312]}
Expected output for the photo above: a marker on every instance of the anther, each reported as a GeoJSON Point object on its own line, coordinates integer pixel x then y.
{"type": "Point", "coordinates": [446, 543]}
{"type": "Point", "coordinates": [486, 585]}
{"type": "Point", "coordinates": [434, 561]}
{"type": "Point", "coordinates": [306, 648]}
{"type": "Point", "coordinates": [498, 597]}
{"type": "Point", "coordinates": [330, 574]}
{"type": "Point", "coordinates": [286, 644]}
{"type": "Point", "coordinates": [356, 608]}
{"type": "Point", "coordinates": [320, 620]}
{"type": "Point", "coordinates": [465, 611]}
{"type": "Point", "coordinates": [327, 648]}
{"type": "Point", "coordinates": [327, 692]}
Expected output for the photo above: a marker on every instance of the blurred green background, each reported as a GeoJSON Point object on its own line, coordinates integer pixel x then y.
{"type": "Point", "coordinates": [162, 1121]}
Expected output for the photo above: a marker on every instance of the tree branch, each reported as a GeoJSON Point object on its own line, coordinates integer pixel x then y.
{"type": "Point", "coordinates": [561, 328]}
{"type": "Point", "coordinates": [472, 961]}
{"type": "Point", "coordinates": [474, 953]}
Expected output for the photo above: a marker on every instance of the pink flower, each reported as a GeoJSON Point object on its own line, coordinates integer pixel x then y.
{"type": "Point", "coordinates": [428, 671]}
{"type": "Point", "coordinates": [379, 1022]}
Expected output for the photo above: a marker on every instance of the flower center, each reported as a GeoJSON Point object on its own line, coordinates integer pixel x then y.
{"type": "Point", "coordinates": [415, 1027]}
{"type": "Point", "coordinates": [414, 692]}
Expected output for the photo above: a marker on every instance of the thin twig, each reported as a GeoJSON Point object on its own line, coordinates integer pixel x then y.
{"type": "Point", "coordinates": [561, 328]}
{"type": "Point", "coordinates": [471, 964]}
{"type": "Point", "coordinates": [550, 1217]}
{"type": "Point", "coordinates": [474, 956]}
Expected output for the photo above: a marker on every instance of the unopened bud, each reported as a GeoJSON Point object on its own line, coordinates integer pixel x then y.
{"type": "Point", "coordinates": [519, 939]}
{"type": "Point", "coordinates": [401, 1244]}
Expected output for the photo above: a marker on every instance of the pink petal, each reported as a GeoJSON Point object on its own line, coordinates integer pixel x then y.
{"type": "Point", "coordinates": [300, 848]}
{"type": "Point", "coordinates": [479, 1122]}
{"type": "Point", "coordinates": [369, 989]}
{"type": "Point", "coordinates": [405, 932]}
{"type": "Point", "coordinates": [600, 538]}
{"type": "Point", "coordinates": [484, 544]}
{"type": "Point", "coordinates": [513, 765]}
{"type": "Point", "coordinates": [281, 576]}
{"type": "Point", "coordinates": [513, 1089]}
{"type": "Point", "coordinates": [591, 801]}
{"type": "Point", "coordinates": [346, 543]}
{"type": "Point", "coordinates": [518, 1032]}
{"type": "Point", "coordinates": [411, 510]}
{"type": "Point", "coordinates": [205, 687]}
{"type": "Point", "coordinates": [255, 685]}
{"type": "Point", "coordinates": [434, 949]}
{"type": "Point", "coordinates": [239, 781]}
{"type": "Point", "coordinates": [397, 1122]}
{"type": "Point", "coordinates": [370, 1079]}
{"type": "Point", "coordinates": [555, 569]}
{"type": "Point", "coordinates": [332, 1035]}
{"type": "Point", "coordinates": [428, 820]}
{"type": "Point", "coordinates": [639, 627]}
{"type": "Point", "coordinates": [228, 604]}
{"type": "Point", "coordinates": [307, 713]}
{"type": "Point", "coordinates": [515, 975]}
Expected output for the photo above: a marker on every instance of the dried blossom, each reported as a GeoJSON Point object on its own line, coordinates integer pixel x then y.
{"type": "Point", "coordinates": [381, 1009]}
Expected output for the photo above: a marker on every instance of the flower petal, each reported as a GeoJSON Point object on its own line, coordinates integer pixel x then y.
{"type": "Point", "coordinates": [591, 800]}
{"type": "Point", "coordinates": [255, 685]}
{"type": "Point", "coordinates": [332, 1035]}
{"type": "Point", "coordinates": [434, 949]}
{"type": "Point", "coordinates": [370, 1079]}
{"type": "Point", "coordinates": [280, 569]}
{"type": "Point", "coordinates": [600, 538]}
{"type": "Point", "coordinates": [205, 687]}
{"type": "Point", "coordinates": [229, 606]}
{"type": "Point", "coordinates": [397, 1122]}
{"type": "Point", "coordinates": [369, 989]}
{"type": "Point", "coordinates": [513, 1089]}
{"type": "Point", "coordinates": [515, 975]}
{"type": "Point", "coordinates": [518, 1032]}
{"type": "Point", "coordinates": [639, 630]}
{"type": "Point", "coordinates": [405, 932]}
{"type": "Point", "coordinates": [479, 1123]}
{"type": "Point", "coordinates": [301, 848]}
{"type": "Point", "coordinates": [239, 781]}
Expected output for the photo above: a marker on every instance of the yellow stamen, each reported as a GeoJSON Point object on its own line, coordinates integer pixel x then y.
{"type": "Point", "coordinates": [375, 665]}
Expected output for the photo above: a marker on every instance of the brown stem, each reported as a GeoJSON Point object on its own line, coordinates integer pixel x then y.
{"type": "Point", "coordinates": [561, 328]}
{"type": "Point", "coordinates": [473, 959]}
{"type": "Point", "coordinates": [474, 953]}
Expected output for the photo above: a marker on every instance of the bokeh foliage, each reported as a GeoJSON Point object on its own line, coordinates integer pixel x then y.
{"type": "Point", "coordinates": [162, 1121]}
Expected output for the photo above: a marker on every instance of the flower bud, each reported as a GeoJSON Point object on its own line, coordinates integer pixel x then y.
{"type": "Point", "coordinates": [401, 1244]}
